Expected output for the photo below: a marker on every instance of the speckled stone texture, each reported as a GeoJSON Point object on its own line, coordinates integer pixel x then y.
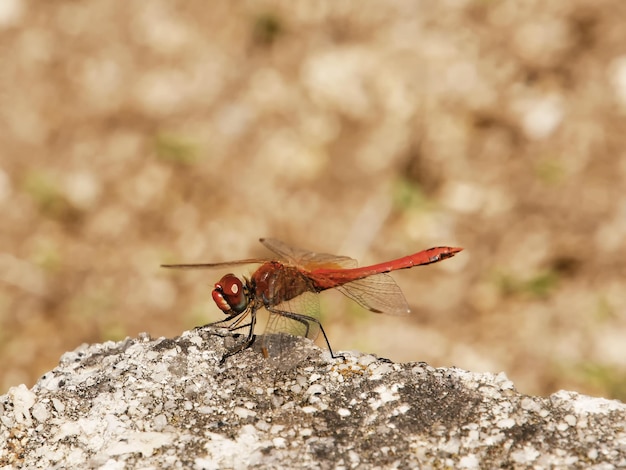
{"type": "Point", "coordinates": [167, 403]}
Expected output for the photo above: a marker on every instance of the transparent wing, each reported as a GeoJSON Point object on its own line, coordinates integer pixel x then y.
{"type": "Point", "coordinates": [296, 317]}
{"type": "Point", "coordinates": [224, 264]}
{"type": "Point", "coordinates": [307, 259]}
{"type": "Point", "coordinates": [378, 293]}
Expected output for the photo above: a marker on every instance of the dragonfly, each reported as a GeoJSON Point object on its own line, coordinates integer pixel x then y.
{"type": "Point", "coordinates": [287, 285]}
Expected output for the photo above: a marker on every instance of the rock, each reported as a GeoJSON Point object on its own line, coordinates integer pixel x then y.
{"type": "Point", "coordinates": [163, 403]}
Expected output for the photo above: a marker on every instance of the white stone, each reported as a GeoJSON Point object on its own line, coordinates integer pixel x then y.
{"type": "Point", "coordinates": [23, 399]}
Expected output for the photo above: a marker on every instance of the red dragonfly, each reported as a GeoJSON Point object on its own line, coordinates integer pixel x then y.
{"type": "Point", "coordinates": [286, 287]}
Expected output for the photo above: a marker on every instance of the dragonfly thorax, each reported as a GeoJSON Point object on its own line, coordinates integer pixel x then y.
{"type": "Point", "coordinates": [231, 295]}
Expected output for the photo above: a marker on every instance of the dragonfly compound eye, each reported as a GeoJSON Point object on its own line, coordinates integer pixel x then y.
{"type": "Point", "coordinates": [230, 295]}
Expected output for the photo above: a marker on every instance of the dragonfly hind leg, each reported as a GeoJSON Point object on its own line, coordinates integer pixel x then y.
{"type": "Point", "coordinates": [305, 319]}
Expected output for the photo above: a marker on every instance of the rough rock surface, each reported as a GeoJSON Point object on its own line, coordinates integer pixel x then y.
{"type": "Point", "coordinates": [160, 403]}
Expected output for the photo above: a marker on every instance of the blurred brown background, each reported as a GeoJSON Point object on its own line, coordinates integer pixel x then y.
{"type": "Point", "coordinates": [138, 133]}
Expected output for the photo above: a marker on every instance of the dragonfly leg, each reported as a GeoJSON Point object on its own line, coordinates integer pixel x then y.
{"type": "Point", "coordinates": [229, 318]}
{"type": "Point", "coordinates": [305, 319]}
{"type": "Point", "coordinates": [218, 324]}
{"type": "Point", "coordinates": [240, 347]}
{"type": "Point", "coordinates": [234, 326]}
{"type": "Point", "coordinates": [245, 343]}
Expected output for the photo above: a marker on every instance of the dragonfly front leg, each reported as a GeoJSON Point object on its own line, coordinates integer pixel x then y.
{"type": "Point", "coordinates": [249, 341]}
{"type": "Point", "coordinates": [235, 326]}
{"type": "Point", "coordinates": [232, 326]}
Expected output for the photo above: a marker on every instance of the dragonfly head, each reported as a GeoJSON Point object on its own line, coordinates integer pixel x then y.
{"type": "Point", "coordinates": [231, 295]}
